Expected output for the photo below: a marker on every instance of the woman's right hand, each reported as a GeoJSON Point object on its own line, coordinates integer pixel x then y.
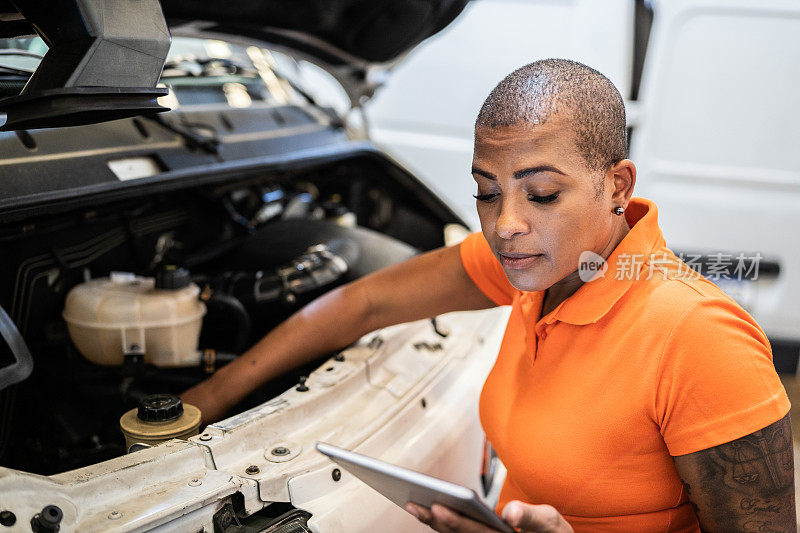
{"type": "Point", "coordinates": [525, 517]}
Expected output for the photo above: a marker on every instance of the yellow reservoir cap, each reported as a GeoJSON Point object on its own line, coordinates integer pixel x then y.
{"type": "Point", "coordinates": [137, 430]}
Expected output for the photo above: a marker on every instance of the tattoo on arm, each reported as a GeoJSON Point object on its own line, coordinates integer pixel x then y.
{"type": "Point", "coordinates": [746, 484]}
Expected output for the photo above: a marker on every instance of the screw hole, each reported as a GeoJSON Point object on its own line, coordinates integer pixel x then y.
{"type": "Point", "coordinates": [424, 403]}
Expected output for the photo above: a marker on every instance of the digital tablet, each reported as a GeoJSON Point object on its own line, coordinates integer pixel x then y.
{"type": "Point", "coordinates": [402, 485]}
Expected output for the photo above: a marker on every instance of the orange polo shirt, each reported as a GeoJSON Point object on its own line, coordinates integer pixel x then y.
{"type": "Point", "coordinates": [586, 406]}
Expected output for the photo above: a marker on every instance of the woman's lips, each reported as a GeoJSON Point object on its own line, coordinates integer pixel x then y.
{"type": "Point", "coordinates": [518, 261]}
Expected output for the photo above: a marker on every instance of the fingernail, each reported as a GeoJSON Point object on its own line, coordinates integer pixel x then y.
{"type": "Point", "coordinates": [412, 511]}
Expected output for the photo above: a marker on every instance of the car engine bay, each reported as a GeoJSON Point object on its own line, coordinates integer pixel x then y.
{"type": "Point", "coordinates": [153, 293]}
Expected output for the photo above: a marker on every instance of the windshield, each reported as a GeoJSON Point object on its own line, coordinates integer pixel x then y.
{"type": "Point", "coordinates": [197, 72]}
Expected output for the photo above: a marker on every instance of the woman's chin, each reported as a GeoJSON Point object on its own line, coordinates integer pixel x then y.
{"type": "Point", "coordinates": [527, 282]}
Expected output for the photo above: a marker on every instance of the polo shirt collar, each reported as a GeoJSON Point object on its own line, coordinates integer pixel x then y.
{"type": "Point", "coordinates": [596, 298]}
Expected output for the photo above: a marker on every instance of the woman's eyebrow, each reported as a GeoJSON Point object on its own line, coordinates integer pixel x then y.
{"type": "Point", "coordinates": [487, 175]}
{"type": "Point", "coordinates": [533, 170]}
{"type": "Point", "coordinates": [519, 174]}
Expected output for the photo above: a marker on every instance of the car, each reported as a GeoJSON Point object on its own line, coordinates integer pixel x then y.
{"type": "Point", "coordinates": [169, 193]}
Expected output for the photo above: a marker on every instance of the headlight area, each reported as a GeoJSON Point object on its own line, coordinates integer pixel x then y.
{"type": "Point", "coordinates": [268, 520]}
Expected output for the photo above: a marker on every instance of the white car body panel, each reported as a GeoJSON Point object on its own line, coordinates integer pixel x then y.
{"type": "Point", "coordinates": [717, 140]}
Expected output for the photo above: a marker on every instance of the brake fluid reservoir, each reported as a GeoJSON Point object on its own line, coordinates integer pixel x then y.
{"type": "Point", "coordinates": [109, 317]}
{"type": "Point", "coordinates": [159, 418]}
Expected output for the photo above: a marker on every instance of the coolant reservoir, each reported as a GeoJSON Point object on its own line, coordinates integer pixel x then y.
{"type": "Point", "coordinates": [109, 317]}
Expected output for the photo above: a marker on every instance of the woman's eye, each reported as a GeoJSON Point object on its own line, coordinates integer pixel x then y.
{"type": "Point", "coordinates": [485, 197]}
{"type": "Point", "coordinates": [542, 199]}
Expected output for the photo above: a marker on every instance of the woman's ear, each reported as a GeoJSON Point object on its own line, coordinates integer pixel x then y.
{"type": "Point", "coordinates": [622, 176]}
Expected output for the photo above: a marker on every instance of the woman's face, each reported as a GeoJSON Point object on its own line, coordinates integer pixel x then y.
{"type": "Point", "coordinates": [539, 204]}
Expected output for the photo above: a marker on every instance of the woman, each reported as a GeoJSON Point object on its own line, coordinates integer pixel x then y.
{"type": "Point", "coordinates": [629, 396]}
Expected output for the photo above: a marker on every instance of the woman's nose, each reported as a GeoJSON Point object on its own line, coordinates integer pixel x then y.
{"type": "Point", "coordinates": [511, 220]}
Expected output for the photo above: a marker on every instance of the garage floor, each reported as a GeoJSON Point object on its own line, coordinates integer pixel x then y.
{"type": "Point", "coordinates": [792, 384]}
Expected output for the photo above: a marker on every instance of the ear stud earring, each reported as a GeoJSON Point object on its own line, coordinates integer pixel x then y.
{"type": "Point", "coordinates": [618, 211]}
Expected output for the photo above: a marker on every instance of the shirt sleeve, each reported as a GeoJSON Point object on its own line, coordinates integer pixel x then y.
{"type": "Point", "coordinates": [485, 271]}
{"type": "Point", "coordinates": [716, 380]}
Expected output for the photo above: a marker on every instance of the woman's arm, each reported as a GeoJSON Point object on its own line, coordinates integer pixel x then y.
{"type": "Point", "coordinates": [746, 484]}
{"type": "Point", "coordinates": [424, 286]}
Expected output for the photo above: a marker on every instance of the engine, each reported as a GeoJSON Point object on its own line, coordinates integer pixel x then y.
{"type": "Point", "coordinates": [129, 304]}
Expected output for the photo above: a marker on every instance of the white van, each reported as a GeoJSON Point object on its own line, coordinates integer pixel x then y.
{"type": "Point", "coordinates": [711, 90]}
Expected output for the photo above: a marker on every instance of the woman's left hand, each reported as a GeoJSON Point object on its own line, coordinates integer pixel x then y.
{"type": "Point", "coordinates": [522, 516]}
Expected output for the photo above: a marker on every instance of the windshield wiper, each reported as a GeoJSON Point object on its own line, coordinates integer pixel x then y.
{"type": "Point", "coordinates": [208, 144]}
{"type": "Point", "coordinates": [19, 52]}
{"type": "Point", "coordinates": [14, 71]}
{"type": "Point", "coordinates": [335, 120]}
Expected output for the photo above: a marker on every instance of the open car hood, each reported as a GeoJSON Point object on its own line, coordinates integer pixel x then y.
{"type": "Point", "coordinates": [337, 32]}
{"type": "Point", "coordinates": [100, 66]}
{"type": "Point", "coordinates": [354, 40]}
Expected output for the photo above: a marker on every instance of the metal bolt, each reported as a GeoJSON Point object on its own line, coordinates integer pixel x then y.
{"type": "Point", "coordinates": [226, 519]}
{"type": "Point", "coordinates": [336, 474]}
{"type": "Point", "coordinates": [195, 482]}
{"type": "Point", "coordinates": [205, 437]}
{"type": "Point", "coordinates": [281, 450]}
{"type": "Point", "coordinates": [114, 515]}
{"type": "Point", "coordinates": [252, 470]}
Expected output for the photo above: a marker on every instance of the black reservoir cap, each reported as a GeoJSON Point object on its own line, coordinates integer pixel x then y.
{"type": "Point", "coordinates": [159, 408]}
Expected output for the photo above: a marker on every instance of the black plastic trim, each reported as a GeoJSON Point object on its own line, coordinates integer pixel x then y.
{"type": "Point", "coordinates": [642, 24]}
{"type": "Point", "coordinates": [20, 207]}
{"type": "Point", "coordinates": [785, 355]}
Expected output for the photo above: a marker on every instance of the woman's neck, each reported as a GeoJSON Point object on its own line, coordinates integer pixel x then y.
{"type": "Point", "coordinates": [566, 287]}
